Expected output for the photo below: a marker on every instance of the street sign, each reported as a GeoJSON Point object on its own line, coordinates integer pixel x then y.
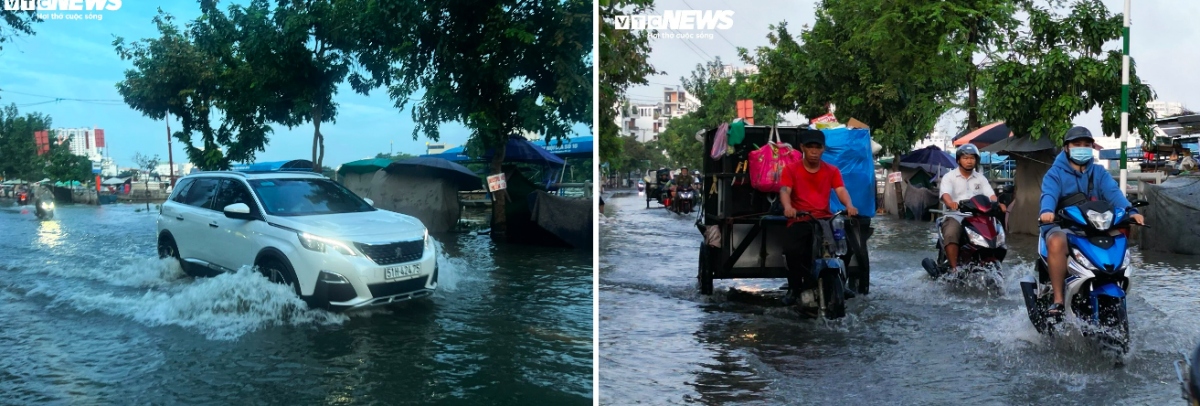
{"type": "Point", "coordinates": [894, 177]}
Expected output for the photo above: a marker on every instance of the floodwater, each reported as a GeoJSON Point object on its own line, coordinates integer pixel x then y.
{"type": "Point", "coordinates": [911, 341]}
{"type": "Point", "coordinates": [90, 315]}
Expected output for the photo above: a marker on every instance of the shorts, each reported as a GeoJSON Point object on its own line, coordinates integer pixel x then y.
{"type": "Point", "coordinates": [1046, 229]}
{"type": "Point", "coordinates": [952, 230]}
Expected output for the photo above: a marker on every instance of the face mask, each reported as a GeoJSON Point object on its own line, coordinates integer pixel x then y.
{"type": "Point", "coordinates": [1081, 155]}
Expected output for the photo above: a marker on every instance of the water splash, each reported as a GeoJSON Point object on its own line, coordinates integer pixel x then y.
{"type": "Point", "coordinates": [223, 307]}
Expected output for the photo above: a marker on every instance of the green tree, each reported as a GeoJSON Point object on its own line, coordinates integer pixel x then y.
{"type": "Point", "coordinates": [623, 62]}
{"type": "Point", "coordinates": [499, 68]}
{"type": "Point", "coordinates": [13, 23]}
{"type": "Point", "coordinates": [193, 75]}
{"type": "Point", "coordinates": [148, 165]}
{"type": "Point", "coordinates": [394, 156]}
{"type": "Point", "coordinates": [843, 60]}
{"type": "Point", "coordinates": [18, 150]}
{"type": "Point", "coordinates": [1058, 69]}
{"type": "Point", "coordinates": [63, 166]}
{"type": "Point", "coordinates": [718, 94]}
{"type": "Point", "coordinates": [638, 157]}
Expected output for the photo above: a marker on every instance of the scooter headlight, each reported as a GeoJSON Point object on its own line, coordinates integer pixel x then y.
{"type": "Point", "coordinates": [48, 205]}
{"type": "Point", "coordinates": [976, 239]}
{"type": "Point", "coordinates": [1000, 237]}
{"type": "Point", "coordinates": [1125, 263]}
{"type": "Point", "coordinates": [1081, 260]}
{"type": "Point", "coordinates": [1101, 221]}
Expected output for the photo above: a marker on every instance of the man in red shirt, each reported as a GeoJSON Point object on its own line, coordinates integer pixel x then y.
{"type": "Point", "coordinates": [806, 188]}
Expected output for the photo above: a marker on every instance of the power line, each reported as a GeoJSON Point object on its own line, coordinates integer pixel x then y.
{"type": "Point", "coordinates": [64, 98]}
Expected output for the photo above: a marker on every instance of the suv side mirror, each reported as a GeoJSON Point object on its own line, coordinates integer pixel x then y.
{"type": "Point", "coordinates": [238, 211]}
{"type": "Point", "coordinates": [369, 202]}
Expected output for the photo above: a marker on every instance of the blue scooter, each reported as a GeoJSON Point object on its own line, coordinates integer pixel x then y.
{"type": "Point", "coordinates": [1097, 274]}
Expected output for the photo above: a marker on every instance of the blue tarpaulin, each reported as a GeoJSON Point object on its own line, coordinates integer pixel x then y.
{"type": "Point", "coordinates": [289, 165]}
{"type": "Point", "coordinates": [850, 151]}
{"type": "Point", "coordinates": [518, 149]}
{"type": "Point", "coordinates": [575, 147]}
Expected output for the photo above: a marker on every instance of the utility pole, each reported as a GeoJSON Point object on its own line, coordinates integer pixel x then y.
{"type": "Point", "coordinates": [1125, 99]}
{"type": "Point", "coordinates": [170, 154]}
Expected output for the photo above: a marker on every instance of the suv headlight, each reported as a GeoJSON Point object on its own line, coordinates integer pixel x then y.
{"type": "Point", "coordinates": [320, 244]}
{"type": "Point", "coordinates": [975, 238]}
{"type": "Point", "coordinates": [1101, 221]}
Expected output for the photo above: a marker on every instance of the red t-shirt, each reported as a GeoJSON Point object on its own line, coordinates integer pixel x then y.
{"type": "Point", "coordinates": [810, 191]}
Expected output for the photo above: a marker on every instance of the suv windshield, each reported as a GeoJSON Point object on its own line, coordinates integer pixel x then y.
{"type": "Point", "coordinates": [304, 197]}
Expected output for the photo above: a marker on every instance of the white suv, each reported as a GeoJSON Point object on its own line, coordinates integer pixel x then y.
{"type": "Point", "coordinates": [299, 229]}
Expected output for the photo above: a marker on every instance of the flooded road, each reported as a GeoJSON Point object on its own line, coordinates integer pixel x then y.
{"type": "Point", "coordinates": [89, 315]}
{"type": "Point", "coordinates": [911, 341]}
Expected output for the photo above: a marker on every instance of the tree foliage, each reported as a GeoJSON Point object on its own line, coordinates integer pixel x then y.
{"type": "Point", "coordinates": [64, 166]}
{"type": "Point", "coordinates": [835, 62]}
{"type": "Point", "coordinates": [500, 68]}
{"type": "Point", "coordinates": [18, 150]}
{"type": "Point", "coordinates": [13, 23]}
{"type": "Point", "coordinates": [1058, 69]}
{"type": "Point", "coordinates": [394, 156]}
{"type": "Point", "coordinates": [193, 74]}
{"type": "Point", "coordinates": [623, 62]}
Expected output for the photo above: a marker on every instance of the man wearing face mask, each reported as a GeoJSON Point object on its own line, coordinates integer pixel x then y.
{"type": "Point", "coordinates": [1073, 172]}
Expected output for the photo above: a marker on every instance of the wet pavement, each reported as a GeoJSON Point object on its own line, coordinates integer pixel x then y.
{"type": "Point", "coordinates": [911, 341]}
{"type": "Point", "coordinates": [90, 315]}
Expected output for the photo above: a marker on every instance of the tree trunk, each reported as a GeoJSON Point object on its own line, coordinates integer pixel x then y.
{"type": "Point", "coordinates": [318, 139]}
{"type": "Point", "coordinates": [899, 189]}
{"type": "Point", "coordinates": [972, 89]}
{"type": "Point", "coordinates": [499, 198]}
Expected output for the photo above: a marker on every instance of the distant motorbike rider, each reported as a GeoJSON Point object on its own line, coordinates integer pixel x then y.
{"type": "Point", "coordinates": [684, 179]}
{"type": "Point", "coordinates": [1073, 172]}
{"type": "Point", "coordinates": [806, 188]}
{"type": "Point", "coordinates": [957, 185]}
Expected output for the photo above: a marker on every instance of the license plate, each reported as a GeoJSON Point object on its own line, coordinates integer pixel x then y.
{"type": "Point", "coordinates": [402, 271]}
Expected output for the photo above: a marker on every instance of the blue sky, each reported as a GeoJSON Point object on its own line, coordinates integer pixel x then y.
{"type": "Point", "coordinates": [75, 59]}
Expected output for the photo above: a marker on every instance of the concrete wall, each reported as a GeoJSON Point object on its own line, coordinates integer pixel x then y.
{"type": "Point", "coordinates": [1027, 182]}
{"type": "Point", "coordinates": [434, 201]}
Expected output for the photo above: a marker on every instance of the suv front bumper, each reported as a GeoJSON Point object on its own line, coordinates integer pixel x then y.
{"type": "Point", "coordinates": [348, 282]}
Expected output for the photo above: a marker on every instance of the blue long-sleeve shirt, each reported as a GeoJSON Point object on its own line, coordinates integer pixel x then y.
{"type": "Point", "coordinates": [1062, 180]}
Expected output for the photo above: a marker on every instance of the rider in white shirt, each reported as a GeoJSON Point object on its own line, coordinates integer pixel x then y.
{"type": "Point", "coordinates": [960, 184]}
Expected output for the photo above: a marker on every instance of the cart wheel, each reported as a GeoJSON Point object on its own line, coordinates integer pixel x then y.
{"type": "Point", "coordinates": [704, 273]}
{"type": "Point", "coordinates": [834, 294]}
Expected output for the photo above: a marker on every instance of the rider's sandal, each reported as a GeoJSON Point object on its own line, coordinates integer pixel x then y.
{"type": "Point", "coordinates": [1055, 310]}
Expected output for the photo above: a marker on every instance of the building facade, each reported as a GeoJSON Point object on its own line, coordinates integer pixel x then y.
{"type": "Point", "coordinates": [1165, 109]}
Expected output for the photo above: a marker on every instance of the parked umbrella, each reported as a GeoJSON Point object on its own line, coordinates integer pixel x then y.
{"type": "Point", "coordinates": [984, 136]}
{"type": "Point", "coordinates": [932, 159]}
{"type": "Point", "coordinates": [462, 177]}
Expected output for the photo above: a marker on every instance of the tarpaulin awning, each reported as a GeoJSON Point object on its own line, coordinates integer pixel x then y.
{"type": "Point", "coordinates": [518, 149]}
{"type": "Point", "coordinates": [361, 166]}
{"type": "Point", "coordinates": [462, 177]}
{"type": "Point", "coordinates": [575, 147]}
{"type": "Point", "coordinates": [984, 136]}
